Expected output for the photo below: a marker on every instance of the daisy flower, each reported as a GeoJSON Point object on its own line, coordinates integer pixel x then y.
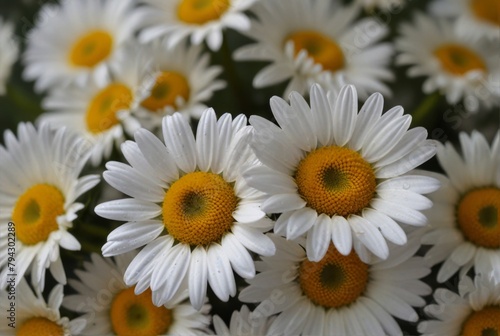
{"type": "Point", "coordinates": [182, 79]}
{"type": "Point", "coordinates": [34, 316]}
{"type": "Point", "coordinates": [78, 40]}
{"type": "Point", "coordinates": [101, 112]}
{"type": "Point", "coordinates": [10, 50]}
{"type": "Point", "coordinates": [243, 323]}
{"type": "Point", "coordinates": [465, 217]}
{"type": "Point", "coordinates": [193, 192]}
{"type": "Point", "coordinates": [455, 66]}
{"type": "Point", "coordinates": [475, 310]}
{"type": "Point", "coordinates": [111, 307]}
{"type": "Point", "coordinates": [317, 42]}
{"type": "Point", "coordinates": [39, 186]}
{"type": "Point", "coordinates": [175, 20]}
{"type": "Point", "coordinates": [337, 295]}
{"type": "Point", "coordinates": [333, 173]}
{"type": "Point", "coordinates": [474, 18]}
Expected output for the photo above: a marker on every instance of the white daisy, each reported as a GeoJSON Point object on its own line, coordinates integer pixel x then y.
{"type": "Point", "coordinates": [111, 308]}
{"type": "Point", "coordinates": [33, 316]}
{"type": "Point", "coordinates": [338, 295]}
{"type": "Point", "coordinates": [100, 112]}
{"type": "Point", "coordinates": [174, 20]}
{"type": "Point", "coordinates": [465, 218]}
{"type": "Point", "coordinates": [9, 51]}
{"type": "Point", "coordinates": [38, 187]}
{"type": "Point", "coordinates": [182, 80]}
{"type": "Point", "coordinates": [474, 18]}
{"type": "Point", "coordinates": [77, 40]}
{"type": "Point", "coordinates": [317, 42]}
{"type": "Point", "coordinates": [474, 311]}
{"type": "Point", "coordinates": [243, 323]}
{"type": "Point", "coordinates": [192, 191]}
{"type": "Point", "coordinates": [335, 174]}
{"type": "Point", "coordinates": [455, 66]}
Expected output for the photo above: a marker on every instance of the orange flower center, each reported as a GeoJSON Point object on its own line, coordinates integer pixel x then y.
{"type": "Point", "coordinates": [487, 10]}
{"type": "Point", "coordinates": [35, 213]}
{"type": "Point", "coordinates": [198, 208]}
{"type": "Point", "coordinates": [168, 86]}
{"type": "Point", "coordinates": [478, 214]}
{"type": "Point", "coordinates": [40, 326]}
{"type": "Point", "coordinates": [101, 112]}
{"type": "Point", "coordinates": [201, 11]}
{"type": "Point", "coordinates": [485, 322]}
{"type": "Point", "coordinates": [91, 49]}
{"type": "Point", "coordinates": [136, 315]}
{"type": "Point", "coordinates": [458, 60]}
{"type": "Point", "coordinates": [335, 181]}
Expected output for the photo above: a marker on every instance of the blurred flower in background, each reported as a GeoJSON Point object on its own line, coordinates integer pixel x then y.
{"type": "Point", "coordinates": [77, 40]}
{"type": "Point", "coordinates": [252, 182]}
{"type": "Point", "coordinates": [10, 50]}
{"type": "Point", "coordinates": [317, 42]}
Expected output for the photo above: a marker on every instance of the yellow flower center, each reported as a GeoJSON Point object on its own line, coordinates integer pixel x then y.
{"type": "Point", "coordinates": [321, 48]}
{"type": "Point", "coordinates": [201, 11]}
{"type": "Point", "coordinates": [335, 181]}
{"type": "Point", "coordinates": [101, 112]}
{"type": "Point", "coordinates": [478, 214]}
{"type": "Point", "coordinates": [458, 60]}
{"type": "Point", "coordinates": [168, 86]}
{"type": "Point", "coordinates": [485, 322]}
{"type": "Point", "coordinates": [35, 213]}
{"type": "Point", "coordinates": [91, 49]}
{"type": "Point", "coordinates": [487, 10]}
{"type": "Point", "coordinates": [40, 326]}
{"type": "Point", "coordinates": [136, 315]}
{"type": "Point", "coordinates": [198, 208]}
{"type": "Point", "coordinates": [335, 280]}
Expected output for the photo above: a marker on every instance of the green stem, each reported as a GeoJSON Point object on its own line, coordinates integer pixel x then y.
{"type": "Point", "coordinates": [422, 111]}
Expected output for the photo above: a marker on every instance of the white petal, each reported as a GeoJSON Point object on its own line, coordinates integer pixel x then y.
{"type": "Point", "coordinates": [248, 212]}
{"type": "Point", "coordinates": [238, 256]}
{"type": "Point", "coordinates": [322, 114]}
{"type": "Point", "coordinates": [344, 114]}
{"type": "Point", "coordinates": [300, 222]}
{"type": "Point", "coordinates": [399, 213]}
{"type": "Point", "coordinates": [177, 260]}
{"type": "Point", "coordinates": [368, 234]}
{"type": "Point", "coordinates": [179, 140]}
{"type": "Point", "coordinates": [254, 240]}
{"type": "Point", "coordinates": [270, 181]}
{"type": "Point", "coordinates": [123, 178]}
{"type": "Point", "coordinates": [136, 269]}
{"type": "Point", "coordinates": [282, 203]}
{"type": "Point", "coordinates": [207, 140]}
{"type": "Point", "coordinates": [128, 210]}
{"type": "Point", "coordinates": [69, 242]}
{"type": "Point", "coordinates": [318, 239]}
{"type": "Point", "coordinates": [157, 155]}
{"type": "Point", "coordinates": [341, 235]}
{"type": "Point", "coordinates": [368, 115]}
{"type": "Point", "coordinates": [406, 198]}
{"type": "Point", "coordinates": [387, 226]}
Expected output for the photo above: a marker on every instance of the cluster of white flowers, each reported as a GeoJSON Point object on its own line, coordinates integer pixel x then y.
{"type": "Point", "coordinates": [319, 221]}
